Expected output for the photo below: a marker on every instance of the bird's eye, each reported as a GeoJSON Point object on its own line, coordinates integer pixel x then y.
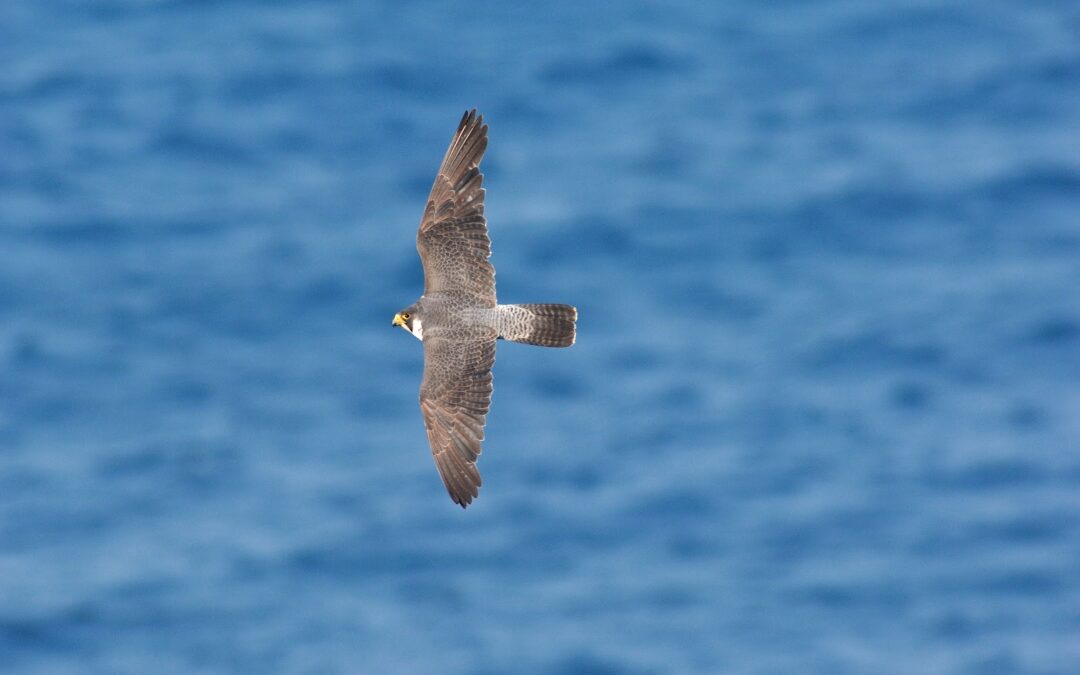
{"type": "Point", "coordinates": [405, 316]}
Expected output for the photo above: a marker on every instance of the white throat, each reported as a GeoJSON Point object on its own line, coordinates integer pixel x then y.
{"type": "Point", "coordinates": [417, 329]}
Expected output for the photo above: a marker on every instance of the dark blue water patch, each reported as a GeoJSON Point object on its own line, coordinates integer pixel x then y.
{"type": "Point", "coordinates": [149, 477]}
{"type": "Point", "coordinates": [204, 146]}
{"type": "Point", "coordinates": [860, 526]}
{"type": "Point", "coordinates": [346, 502]}
{"type": "Point", "coordinates": [26, 350]}
{"type": "Point", "coordinates": [1027, 529]}
{"type": "Point", "coordinates": [852, 597]}
{"type": "Point", "coordinates": [83, 232]}
{"type": "Point", "coordinates": [594, 237]}
{"type": "Point", "coordinates": [84, 629]}
{"type": "Point", "coordinates": [717, 303]}
{"type": "Point", "coordinates": [77, 520]}
{"type": "Point", "coordinates": [19, 482]}
{"type": "Point", "coordinates": [205, 309]}
{"type": "Point", "coordinates": [345, 562]}
{"type": "Point", "coordinates": [267, 85]}
{"type": "Point", "coordinates": [1000, 662]}
{"type": "Point", "coordinates": [784, 546]}
{"type": "Point", "coordinates": [293, 142]}
{"type": "Point", "coordinates": [689, 547]}
{"type": "Point", "coordinates": [642, 439]}
{"type": "Point", "coordinates": [564, 385]}
{"type": "Point", "coordinates": [109, 10]}
{"type": "Point", "coordinates": [685, 397]}
{"type": "Point", "coordinates": [49, 405]}
{"type": "Point", "coordinates": [62, 84]}
{"type": "Point", "coordinates": [673, 597]}
{"type": "Point", "coordinates": [319, 294]}
{"type": "Point", "coordinates": [1057, 70]}
{"type": "Point", "coordinates": [857, 218]}
{"type": "Point", "coordinates": [20, 143]}
{"type": "Point", "coordinates": [1030, 184]}
{"type": "Point", "coordinates": [407, 275]}
{"type": "Point", "coordinates": [42, 182]}
{"type": "Point", "coordinates": [767, 423]}
{"type": "Point", "coordinates": [160, 231]}
{"type": "Point", "coordinates": [57, 632]}
{"type": "Point", "coordinates": [417, 185]}
{"type": "Point", "coordinates": [368, 403]}
{"type": "Point", "coordinates": [874, 349]}
{"type": "Point", "coordinates": [914, 27]}
{"type": "Point", "coordinates": [669, 156]}
{"type": "Point", "coordinates": [1022, 92]}
{"type": "Point", "coordinates": [674, 503]}
{"type": "Point", "coordinates": [637, 358]}
{"type": "Point", "coordinates": [579, 477]}
{"type": "Point", "coordinates": [780, 476]}
{"type": "Point", "coordinates": [393, 557]}
{"type": "Point", "coordinates": [1027, 416]}
{"type": "Point", "coordinates": [911, 396]}
{"type": "Point", "coordinates": [954, 626]}
{"type": "Point", "coordinates": [416, 79]}
{"type": "Point", "coordinates": [556, 543]}
{"type": "Point", "coordinates": [432, 592]}
{"type": "Point", "coordinates": [594, 664]}
{"type": "Point", "coordinates": [989, 475]}
{"type": "Point", "coordinates": [1003, 584]}
{"type": "Point", "coordinates": [284, 252]}
{"type": "Point", "coordinates": [673, 218]}
{"type": "Point", "coordinates": [619, 65]}
{"type": "Point", "coordinates": [1057, 330]}
{"type": "Point", "coordinates": [772, 248]}
{"type": "Point", "coordinates": [186, 390]}
{"type": "Point", "coordinates": [139, 462]}
{"type": "Point", "coordinates": [528, 113]}
{"type": "Point", "coordinates": [257, 314]}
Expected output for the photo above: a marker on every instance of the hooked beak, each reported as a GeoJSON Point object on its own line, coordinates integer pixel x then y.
{"type": "Point", "coordinates": [398, 321]}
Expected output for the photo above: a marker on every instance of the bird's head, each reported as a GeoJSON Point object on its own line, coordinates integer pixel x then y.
{"type": "Point", "coordinates": [409, 319]}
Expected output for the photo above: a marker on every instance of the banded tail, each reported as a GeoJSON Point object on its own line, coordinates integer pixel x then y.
{"type": "Point", "coordinates": [544, 325]}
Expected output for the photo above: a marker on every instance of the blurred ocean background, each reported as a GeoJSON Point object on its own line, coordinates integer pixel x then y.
{"type": "Point", "coordinates": [823, 415]}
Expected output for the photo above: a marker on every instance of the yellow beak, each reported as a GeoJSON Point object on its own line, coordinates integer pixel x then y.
{"type": "Point", "coordinates": [398, 321]}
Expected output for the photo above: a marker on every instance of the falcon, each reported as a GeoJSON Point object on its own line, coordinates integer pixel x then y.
{"type": "Point", "coordinates": [458, 318]}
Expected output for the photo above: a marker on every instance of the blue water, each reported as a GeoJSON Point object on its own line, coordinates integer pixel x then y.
{"type": "Point", "coordinates": [823, 415]}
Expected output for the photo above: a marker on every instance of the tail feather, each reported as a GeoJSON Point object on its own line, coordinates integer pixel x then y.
{"type": "Point", "coordinates": [548, 325]}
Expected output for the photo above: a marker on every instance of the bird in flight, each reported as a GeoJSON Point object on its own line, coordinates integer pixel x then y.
{"type": "Point", "coordinates": [458, 318]}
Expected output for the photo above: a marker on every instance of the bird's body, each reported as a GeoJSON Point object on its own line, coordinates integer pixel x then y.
{"type": "Point", "coordinates": [458, 317]}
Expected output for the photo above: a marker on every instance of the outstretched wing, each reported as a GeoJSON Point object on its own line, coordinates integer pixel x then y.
{"type": "Point", "coordinates": [453, 238]}
{"type": "Point", "coordinates": [455, 397]}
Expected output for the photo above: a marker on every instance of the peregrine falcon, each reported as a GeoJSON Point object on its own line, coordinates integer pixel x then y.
{"type": "Point", "coordinates": [458, 319]}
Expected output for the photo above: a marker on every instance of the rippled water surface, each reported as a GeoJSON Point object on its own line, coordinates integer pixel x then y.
{"type": "Point", "coordinates": [823, 415]}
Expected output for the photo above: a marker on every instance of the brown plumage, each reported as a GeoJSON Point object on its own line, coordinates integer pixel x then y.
{"type": "Point", "coordinates": [458, 317]}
